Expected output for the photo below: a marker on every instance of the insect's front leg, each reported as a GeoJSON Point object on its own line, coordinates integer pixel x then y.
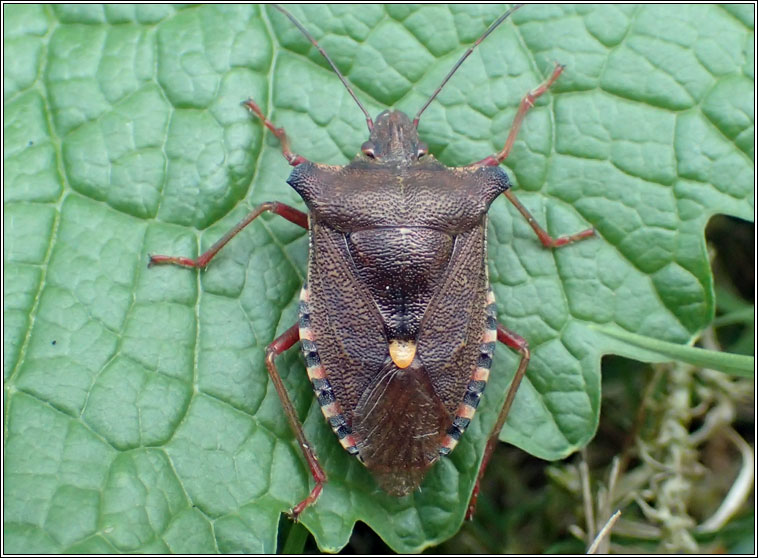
{"type": "Point", "coordinates": [292, 158]}
{"type": "Point", "coordinates": [493, 160]}
{"type": "Point", "coordinates": [518, 343]}
{"type": "Point", "coordinates": [290, 213]}
{"type": "Point", "coordinates": [277, 347]}
{"type": "Point", "coordinates": [526, 103]}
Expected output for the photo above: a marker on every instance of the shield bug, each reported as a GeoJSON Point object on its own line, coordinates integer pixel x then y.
{"type": "Point", "coordinates": [397, 320]}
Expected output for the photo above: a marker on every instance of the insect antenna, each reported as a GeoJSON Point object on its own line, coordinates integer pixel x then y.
{"type": "Point", "coordinates": [304, 31]}
{"type": "Point", "coordinates": [457, 65]}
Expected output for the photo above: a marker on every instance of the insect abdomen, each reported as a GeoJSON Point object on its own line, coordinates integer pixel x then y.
{"type": "Point", "coordinates": [467, 407]}
{"type": "Point", "coordinates": [323, 389]}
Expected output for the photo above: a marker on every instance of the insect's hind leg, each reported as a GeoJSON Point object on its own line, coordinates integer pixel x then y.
{"type": "Point", "coordinates": [290, 213]}
{"type": "Point", "coordinates": [277, 347]}
{"type": "Point", "coordinates": [518, 343]}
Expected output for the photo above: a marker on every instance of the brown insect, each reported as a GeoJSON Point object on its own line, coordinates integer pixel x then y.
{"type": "Point", "coordinates": [397, 320]}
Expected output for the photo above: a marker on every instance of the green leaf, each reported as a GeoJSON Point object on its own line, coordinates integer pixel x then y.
{"type": "Point", "coordinates": [138, 413]}
{"type": "Point", "coordinates": [661, 351]}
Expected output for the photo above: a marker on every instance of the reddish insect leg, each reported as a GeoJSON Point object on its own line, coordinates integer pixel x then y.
{"type": "Point", "coordinates": [493, 160]}
{"type": "Point", "coordinates": [544, 237]}
{"type": "Point", "coordinates": [289, 213]}
{"type": "Point", "coordinates": [277, 347]}
{"type": "Point", "coordinates": [514, 341]}
{"type": "Point", "coordinates": [292, 158]}
{"type": "Point", "coordinates": [526, 103]}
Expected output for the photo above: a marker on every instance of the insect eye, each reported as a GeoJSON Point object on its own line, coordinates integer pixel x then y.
{"type": "Point", "coordinates": [422, 150]}
{"type": "Point", "coordinates": [368, 149]}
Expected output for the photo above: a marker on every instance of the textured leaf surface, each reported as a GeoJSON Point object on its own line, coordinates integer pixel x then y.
{"type": "Point", "coordinates": [138, 413]}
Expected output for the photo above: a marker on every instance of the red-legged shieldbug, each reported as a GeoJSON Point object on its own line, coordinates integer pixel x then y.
{"type": "Point", "coordinates": [397, 321]}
